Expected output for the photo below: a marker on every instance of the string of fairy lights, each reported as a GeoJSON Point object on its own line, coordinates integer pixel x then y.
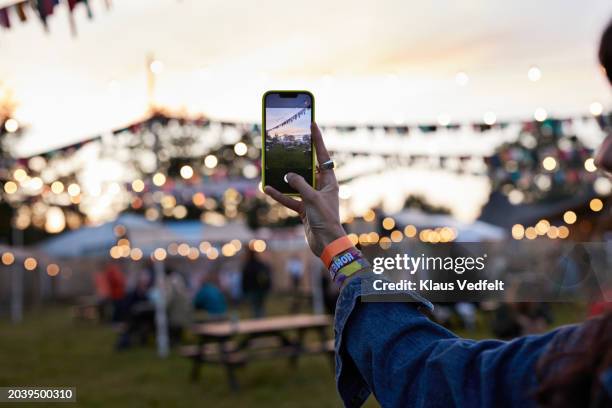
{"type": "Point", "coordinates": [70, 187]}
{"type": "Point", "coordinates": [169, 207]}
{"type": "Point", "coordinates": [392, 233]}
{"type": "Point", "coordinates": [158, 167]}
{"type": "Point", "coordinates": [210, 251]}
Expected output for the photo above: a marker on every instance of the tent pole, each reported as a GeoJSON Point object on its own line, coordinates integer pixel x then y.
{"type": "Point", "coordinates": [161, 318]}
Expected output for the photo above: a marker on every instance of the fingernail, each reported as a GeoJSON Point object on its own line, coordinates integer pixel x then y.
{"type": "Point", "coordinates": [285, 178]}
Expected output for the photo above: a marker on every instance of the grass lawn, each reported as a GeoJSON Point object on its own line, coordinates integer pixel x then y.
{"type": "Point", "coordinates": [50, 349]}
{"type": "Point", "coordinates": [280, 157]}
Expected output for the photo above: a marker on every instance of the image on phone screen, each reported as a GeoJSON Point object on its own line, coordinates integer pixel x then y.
{"type": "Point", "coordinates": [288, 143]}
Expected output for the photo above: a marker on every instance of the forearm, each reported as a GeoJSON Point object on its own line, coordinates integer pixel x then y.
{"type": "Point", "coordinates": [388, 343]}
{"type": "Point", "coordinates": [371, 337]}
{"type": "Point", "coordinates": [405, 359]}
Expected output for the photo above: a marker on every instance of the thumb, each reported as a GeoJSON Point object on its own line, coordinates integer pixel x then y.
{"type": "Point", "coordinates": [297, 182]}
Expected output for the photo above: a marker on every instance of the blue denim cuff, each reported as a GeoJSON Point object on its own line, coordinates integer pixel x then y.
{"type": "Point", "coordinates": [352, 388]}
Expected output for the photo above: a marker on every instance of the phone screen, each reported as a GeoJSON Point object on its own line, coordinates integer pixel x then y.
{"type": "Point", "coordinates": [288, 143]}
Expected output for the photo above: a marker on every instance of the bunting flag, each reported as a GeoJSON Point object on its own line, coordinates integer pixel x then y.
{"type": "Point", "coordinates": [43, 8]}
{"type": "Point", "coordinates": [601, 123]}
{"type": "Point", "coordinates": [290, 119]}
{"type": "Point", "coordinates": [71, 5]}
{"type": "Point", "coordinates": [88, 7]}
{"type": "Point", "coordinates": [20, 10]}
{"type": "Point", "coordinates": [4, 18]}
{"type": "Point", "coordinates": [516, 168]}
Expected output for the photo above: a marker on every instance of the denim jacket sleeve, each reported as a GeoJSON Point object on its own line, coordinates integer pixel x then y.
{"type": "Point", "coordinates": [406, 360]}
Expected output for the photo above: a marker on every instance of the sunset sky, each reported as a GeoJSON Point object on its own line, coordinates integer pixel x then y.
{"type": "Point", "coordinates": [275, 116]}
{"type": "Point", "coordinates": [391, 62]}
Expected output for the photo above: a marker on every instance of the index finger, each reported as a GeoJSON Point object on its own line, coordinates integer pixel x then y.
{"type": "Point", "coordinates": [283, 199]}
{"type": "Point", "coordinates": [317, 138]}
{"type": "Point", "coordinates": [297, 182]}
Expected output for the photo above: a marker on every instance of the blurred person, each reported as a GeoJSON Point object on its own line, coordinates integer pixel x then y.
{"type": "Point", "coordinates": [178, 305]}
{"type": "Point", "coordinates": [255, 282]}
{"type": "Point", "coordinates": [505, 322]}
{"type": "Point", "coordinates": [140, 313]}
{"type": "Point", "coordinates": [104, 300]}
{"type": "Point", "coordinates": [575, 271]}
{"type": "Point", "coordinates": [392, 350]}
{"type": "Point", "coordinates": [209, 297]}
{"type": "Point", "coordinates": [230, 281]}
{"type": "Point", "coordinates": [295, 267]}
{"type": "Point", "coordinates": [110, 289]}
{"type": "Point", "coordinates": [467, 313]}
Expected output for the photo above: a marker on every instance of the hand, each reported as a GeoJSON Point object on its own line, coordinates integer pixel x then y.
{"type": "Point", "coordinates": [318, 208]}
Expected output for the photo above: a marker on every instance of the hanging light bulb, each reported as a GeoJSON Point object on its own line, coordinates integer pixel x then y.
{"type": "Point", "coordinates": [11, 125]}
{"type": "Point", "coordinates": [540, 114]}
{"type": "Point", "coordinates": [55, 221]}
{"type": "Point", "coordinates": [461, 78]}
{"type": "Point", "coordinates": [534, 74]}
{"type": "Point", "coordinates": [489, 118]}
{"type": "Point", "coordinates": [186, 172]}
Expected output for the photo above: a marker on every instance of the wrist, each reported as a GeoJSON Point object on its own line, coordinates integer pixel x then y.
{"type": "Point", "coordinates": [333, 248]}
{"type": "Point", "coordinates": [346, 265]}
{"type": "Point", "coordinates": [331, 235]}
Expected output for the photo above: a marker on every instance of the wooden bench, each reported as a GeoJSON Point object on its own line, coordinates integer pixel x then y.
{"type": "Point", "coordinates": [210, 353]}
{"type": "Point", "coordinates": [234, 344]}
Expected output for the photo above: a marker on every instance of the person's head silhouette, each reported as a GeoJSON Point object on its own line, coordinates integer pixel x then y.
{"type": "Point", "coordinates": [605, 51]}
{"type": "Point", "coordinates": [603, 158]}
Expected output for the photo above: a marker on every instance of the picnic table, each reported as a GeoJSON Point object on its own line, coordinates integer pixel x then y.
{"type": "Point", "coordinates": [233, 344]}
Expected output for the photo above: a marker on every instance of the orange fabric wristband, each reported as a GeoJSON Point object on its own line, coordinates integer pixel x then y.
{"type": "Point", "coordinates": [334, 248]}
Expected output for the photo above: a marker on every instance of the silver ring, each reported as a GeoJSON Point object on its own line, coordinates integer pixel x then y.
{"type": "Point", "coordinates": [328, 165]}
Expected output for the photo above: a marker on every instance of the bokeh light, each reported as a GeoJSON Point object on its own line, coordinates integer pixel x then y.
{"type": "Point", "coordinates": [8, 258]}
{"type": "Point", "coordinates": [53, 269]}
{"type": "Point", "coordinates": [549, 163]}
{"type": "Point", "coordinates": [596, 204]}
{"type": "Point", "coordinates": [186, 172]}
{"type": "Point", "coordinates": [518, 231]}
{"type": "Point", "coordinates": [388, 223]}
{"type": "Point", "coordinates": [159, 179]}
{"type": "Point", "coordinates": [589, 165]}
{"type": "Point", "coordinates": [534, 74]}
{"type": "Point", "coordinates": [30, 263]}
{"type": "Point", "coordinates": [569, 217]}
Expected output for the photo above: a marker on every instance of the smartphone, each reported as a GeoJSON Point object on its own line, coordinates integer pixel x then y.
{"type": "Point", "coordinates": [286, 138]}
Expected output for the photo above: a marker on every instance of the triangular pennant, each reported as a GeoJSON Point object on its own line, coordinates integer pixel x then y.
{"type": "Point", "coordinates": [4, 18]}
{"type": "Point", "coordinates": [71, 5]}
{"type": "Point", "coordinates": [20, 10]}
{"type": "Point", "coordinates": [88, 7]}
